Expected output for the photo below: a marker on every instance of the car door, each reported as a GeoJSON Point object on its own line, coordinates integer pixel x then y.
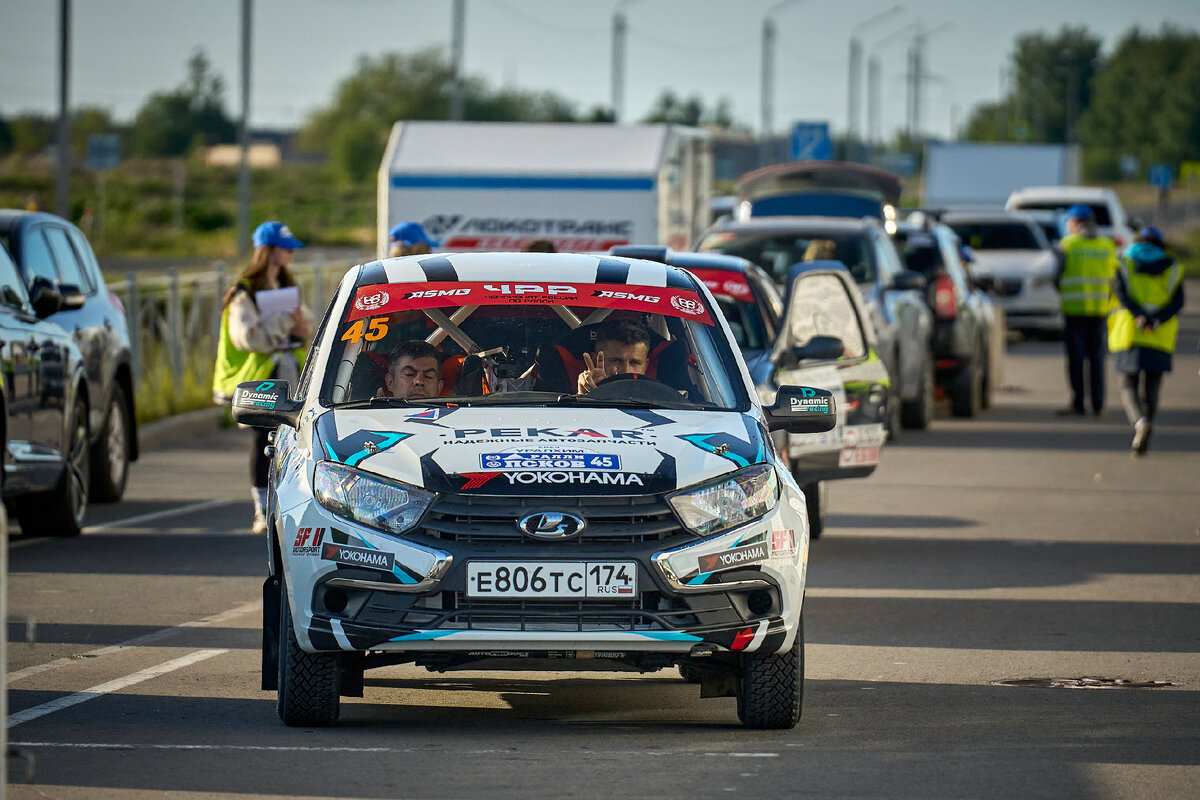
{"type": "Point", "coordinates": [905, 343]}
{"type": "Point", "coordinates": [826, 303]}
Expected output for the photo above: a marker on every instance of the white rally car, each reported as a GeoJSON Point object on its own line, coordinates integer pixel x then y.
{"type": "Point", "coordinates": [509, 522]}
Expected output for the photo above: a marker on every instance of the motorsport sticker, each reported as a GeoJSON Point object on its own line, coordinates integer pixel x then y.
{"type": "Point", "coordinates": [809, 402]}
{"type": "Point", "coordinates": [259, 397]}
{"type": "Point", "coordinates": [749, 554]}
{"type": "Point", "coordinates": [308, 541]}
{"type": "Point", "coordinates": [358, 556]}
{"type": "Point", "coordinates": [537, 460]}
{"type": "Point", "coordinates": [783, 543]}
{"type": "Point", "coordinates": [541, 437]}
{"type": "Point", "coordinates": [371, 301]}
{"type": "Point", "coordinates": [477, 480]}
{"type": "Point", "coordinates": [860, 445]}
{"type": "Point", "coordinates": [720, 281]}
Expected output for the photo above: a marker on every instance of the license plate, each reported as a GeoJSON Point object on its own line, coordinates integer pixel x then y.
{"type": "Point", "coordinates": [551, 579]}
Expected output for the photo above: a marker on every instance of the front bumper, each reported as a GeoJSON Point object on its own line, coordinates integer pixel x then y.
{"type": "Point", "coordinates": [409, 595]}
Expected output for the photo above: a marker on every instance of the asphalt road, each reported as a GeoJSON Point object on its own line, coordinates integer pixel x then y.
{"type": "Point", "coordinates": [1015, 546]}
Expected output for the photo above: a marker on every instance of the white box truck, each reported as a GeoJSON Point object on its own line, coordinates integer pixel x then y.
{"type": "Point", "coordinates": [972, 176]}
{"type": "Point", "coordinates": [500, 185]}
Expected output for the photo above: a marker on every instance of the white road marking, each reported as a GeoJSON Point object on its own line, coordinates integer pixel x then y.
{"type": "Point", "coordinates": [140, 641]}
{"type": "Point", "coordinates": [170, 512]}
{"type": "Point", "coordinates": [111, 686]}
{"type": "Point", "coordinates": [312, 749]}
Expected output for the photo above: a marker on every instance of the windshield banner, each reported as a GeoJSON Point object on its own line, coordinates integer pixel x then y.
{"type": "Point", "coordinates": [385, 298]}
{"type": "Point", "coordinates": [724, 282]}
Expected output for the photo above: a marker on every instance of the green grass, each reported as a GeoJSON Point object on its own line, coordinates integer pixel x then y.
{"type": "Point", "coordinates": [160, 395]}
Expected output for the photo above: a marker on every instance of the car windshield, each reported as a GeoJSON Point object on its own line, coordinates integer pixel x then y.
{"type": "Point", "coordinates": [1100, 210]}
{"type": "Point", "coordinates": [998, 236]}
{"type": "Point", "coordinates": [775, 251]}
{"type": "Point", "coordinates": [498, 343]}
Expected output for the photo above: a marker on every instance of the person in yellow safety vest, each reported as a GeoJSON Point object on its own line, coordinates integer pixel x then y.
{"type": "Point", "coordinates": [1144, 327]}
{"type": "Point", "coordinates": [1086, 265]}
{"type": "Point", "coordinates": [252, 347]}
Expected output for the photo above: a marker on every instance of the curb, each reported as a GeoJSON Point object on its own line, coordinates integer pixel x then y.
{"type": "Point", "coordinates": [167, 431]}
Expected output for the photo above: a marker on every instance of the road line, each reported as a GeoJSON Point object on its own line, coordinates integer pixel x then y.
{"type": "Point", "coordinates": [313, 749]}
{"type": "Point", "coordinates": [111, 686]}
{"type": "Point", "coordinates": [140, 641]}
{"type": "Point", "coordinates": [170, 512]}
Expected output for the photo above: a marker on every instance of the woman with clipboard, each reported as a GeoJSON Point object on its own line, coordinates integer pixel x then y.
{"type": "Point", "coordinates": [261, 326]}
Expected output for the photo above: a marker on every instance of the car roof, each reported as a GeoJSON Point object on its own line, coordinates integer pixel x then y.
{"type": "Point", "coordinates": [1081, 193]}
{"type": "Point", "coordinates": [987, 216]}
{"type": "Point", "coordinates": [513, 267]}
{"type": "Point", "coordinates": [816, 224]}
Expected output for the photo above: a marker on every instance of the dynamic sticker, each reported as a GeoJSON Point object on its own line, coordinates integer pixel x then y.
{"type": "Point", "coordinates": [750, 554]}
{"type": "Point", "coordinates": [358, 556]}
{"type": "Point", "coordinates": [546, 460]}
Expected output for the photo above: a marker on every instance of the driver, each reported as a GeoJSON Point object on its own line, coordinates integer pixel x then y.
{"type": "Point", "coordinates": [414, 371]}
{"type": "Point", "coordinates": [622, 346]}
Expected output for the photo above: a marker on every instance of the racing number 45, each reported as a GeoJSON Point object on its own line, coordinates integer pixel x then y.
{"type": "Point", "coordinates": [376, 330]}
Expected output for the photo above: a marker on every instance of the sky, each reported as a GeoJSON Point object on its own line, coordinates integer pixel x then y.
{"type": "Point", "coordinates": [125, 49]}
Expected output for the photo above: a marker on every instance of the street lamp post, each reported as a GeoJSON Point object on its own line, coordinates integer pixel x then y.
{"type": "Point", "coordinates": [768, 67]}
{"type": "Point", "coordinates": [874, 78]}
{"type": "Point", "coordinates": [620, 31]}
{"type": "Point", "coordinates": [853, 100]}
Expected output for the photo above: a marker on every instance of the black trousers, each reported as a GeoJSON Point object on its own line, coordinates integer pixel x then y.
{"type": "Point", "coordinates": [1142, 403]}
{"type": "Point", "coordinates": [260, 465]}
{"type": "Point", "coordinates": [1086, 341]}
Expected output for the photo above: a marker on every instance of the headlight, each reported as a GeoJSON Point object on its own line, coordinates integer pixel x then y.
{"type": "Point", "coordinates": [389, 506]}
{"type": "Point", "coordinates": [728, 501]}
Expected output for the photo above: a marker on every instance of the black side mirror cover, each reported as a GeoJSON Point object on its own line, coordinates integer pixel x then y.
{"type": "Point", "coordinates": [265, 404]}
{"type": "Point", "coordinates": [802, 409]}
{"type": "Point", "coordinates": [44, 297]}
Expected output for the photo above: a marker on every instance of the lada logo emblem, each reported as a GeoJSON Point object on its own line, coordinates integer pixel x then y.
{"type": "Point", "coordinates": [551, 525]}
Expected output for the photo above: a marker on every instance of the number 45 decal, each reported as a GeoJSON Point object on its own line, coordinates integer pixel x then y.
{"type": "Point", "coordinates": [376, 329]}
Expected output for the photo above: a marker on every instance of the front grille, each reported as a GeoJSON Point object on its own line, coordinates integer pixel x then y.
{"type": "Point", "coordinates": [610, 520]}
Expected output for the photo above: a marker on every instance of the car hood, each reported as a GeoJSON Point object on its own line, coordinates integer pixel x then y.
{"type": "Point", "coordinates": [1013, 263]}
{"type": "Point", "coordinates": [542, 451]}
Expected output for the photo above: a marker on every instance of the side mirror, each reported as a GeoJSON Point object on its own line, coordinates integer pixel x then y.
{"type": "Point", "coordinates": [72, 297]}
{"type": "Point", "coordinates": [909, 281]}
{"type": "Point", "coordinates": [265, 404]}
{"type": "Point", "coordinates": [802, 409]}
{"type": "Point", "coordinates": [820, 348]}
{"type": "Point", "coordinates": [44, 298]}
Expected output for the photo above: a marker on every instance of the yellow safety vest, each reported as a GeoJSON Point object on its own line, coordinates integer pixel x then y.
{"type": "Point", "coordinates": [1151, 292]}
{"type": "Point", "coordinates": [1086, 284]}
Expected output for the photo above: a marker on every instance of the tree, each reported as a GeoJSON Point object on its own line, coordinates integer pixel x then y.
{"type": "Point", "coordinates": [171, 123]}
{"type": "Point", "coordinates": [31, 133]}
{"type": "Point", "coordinates": [672, 109]}
{"type": "Point", "coordinates": [1145, 103]}
{"type": "Point", "coordinates": [85, 122]}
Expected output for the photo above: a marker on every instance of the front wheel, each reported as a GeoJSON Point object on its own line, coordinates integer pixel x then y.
{"type": "Point", "coordinates": [110, 455]}
{"type": "Point", "coordinates": [309, 693]}
{"type": "Point", "coordinates": [60, 511]}
{"type": "Point", "coordinates": [770, 689]}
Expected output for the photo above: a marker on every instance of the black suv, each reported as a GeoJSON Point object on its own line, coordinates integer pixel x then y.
{"type": "Point", "coordinates": [893, 295]}
{"type": "Point", "coordinates": [43, 409]}
{"type": "Point", "coordinates": [50, 248]}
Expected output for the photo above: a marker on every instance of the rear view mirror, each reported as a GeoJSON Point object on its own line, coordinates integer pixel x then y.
{"type": "Point", "coordinates": [820, 348]}
{"type": "Point", "coordinates": [802, 409]}
{"type": "Point", "coordinates": [265, 404]}
{"type": "Point", "coordinates": [72, 297]}
{"type": "Point", "coordinates": [44, 298]}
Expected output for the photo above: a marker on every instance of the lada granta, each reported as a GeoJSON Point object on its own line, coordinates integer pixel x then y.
{"type": "Point", "coordinates": [531, 461]}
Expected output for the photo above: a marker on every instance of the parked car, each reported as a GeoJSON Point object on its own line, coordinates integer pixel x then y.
{"type": "Point", "coordinates": [44, 419]}
{"type": "Point", "coordinates": [1111, 219]}
{"type": "Point", "coordinates": [48, 247]}
{"type": "Point", "coordinates": [964, 319]}
{"type": "Point", "coordinates": [894, 296]}
{"type": "Point", "coordinates": [515, 523]}
{"type": "Point", "coordinates": [1016, 264]}
{"type": "Point", "coordinates": [822, 339]}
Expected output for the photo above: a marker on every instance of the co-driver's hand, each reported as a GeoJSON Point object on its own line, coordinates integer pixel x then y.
{"type": "Point", "coordinates": [593, 374]}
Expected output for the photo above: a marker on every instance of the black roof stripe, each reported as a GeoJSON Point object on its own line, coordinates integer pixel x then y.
{"type": "Point", "coordinates": [372, 273]}
{"type": "Point", "coordinates": [612, 271]}
{"type": "Point", "coordinates": [438, 268]}
{"type": "Point", "coordinates": [676, 279]}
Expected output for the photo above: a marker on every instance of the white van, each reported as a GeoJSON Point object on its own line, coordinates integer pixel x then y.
{"type": "Point", "coordinates": [1111, 219]}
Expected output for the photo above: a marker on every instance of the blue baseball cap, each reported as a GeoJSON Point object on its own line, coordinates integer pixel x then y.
{"type": "Point", "coordinates": [1080, 211]}
{"type": "Point", "coordinates": [277, 234]}
{"type": "Point", "coordinates": [1152, 234]}
{"type": "Point", "coordinates": [410, 233]}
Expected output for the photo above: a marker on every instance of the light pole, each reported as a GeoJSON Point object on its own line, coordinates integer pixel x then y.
{"type": "Point", "coordinates": [853, 100]}
{"type": "Point", "coordinates": [457, 24]}
{"type": "Point", "coordinates": [243, 217]}
{"type": "Point", "coordinates": [874, 78]}
{"type": "Point", "coordinates": [768, 67]}
{"type": "Point", "coordinates": [620, 28]}
{"type": "Point", "coordinates": [917, 74]}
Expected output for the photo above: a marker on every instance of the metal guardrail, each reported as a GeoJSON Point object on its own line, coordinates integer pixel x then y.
{"type": "Point", "coordinates": [175, 316]}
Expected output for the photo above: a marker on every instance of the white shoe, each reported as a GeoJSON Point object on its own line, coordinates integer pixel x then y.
{"type": "Point", "coordinates": [1141, 437]}
{"type": "Point", "coordinates": [259, 496]}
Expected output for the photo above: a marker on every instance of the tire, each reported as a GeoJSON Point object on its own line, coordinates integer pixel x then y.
{"type": "Point", "coordinates": [110, 455]}
{"type": "Point", "coordinates": [985, 398]}
{"type": "Point", "coordinates": [770, 690]}
{"type": "Point", "coordinates": [917, 414]}
{"type": "Point", "coordinates": [814, 501]}
{"type": "Point", "coordinates": [689, 674]}
{"type": "Point", "coordinates": [309, 683]}
{"type": "Point", "coordinates": [60, 511]}
{"type": "Point", "coordinates": [966, 390]}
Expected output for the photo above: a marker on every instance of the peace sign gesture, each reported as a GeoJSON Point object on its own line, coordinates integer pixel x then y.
{"type": "Point", "coordinates": [593, 374]}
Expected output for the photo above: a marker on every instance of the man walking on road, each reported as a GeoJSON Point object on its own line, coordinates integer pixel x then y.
{"type": "Point", "coordinates": [1086, 266]}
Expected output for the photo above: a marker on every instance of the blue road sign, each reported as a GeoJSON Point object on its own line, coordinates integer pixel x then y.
{"type": "Point", "coordinates": [811, 141]}
{"type": "Point", "coordinates": [103, 151]}
{"type": "Point", "coordinates": [1161, 175]}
